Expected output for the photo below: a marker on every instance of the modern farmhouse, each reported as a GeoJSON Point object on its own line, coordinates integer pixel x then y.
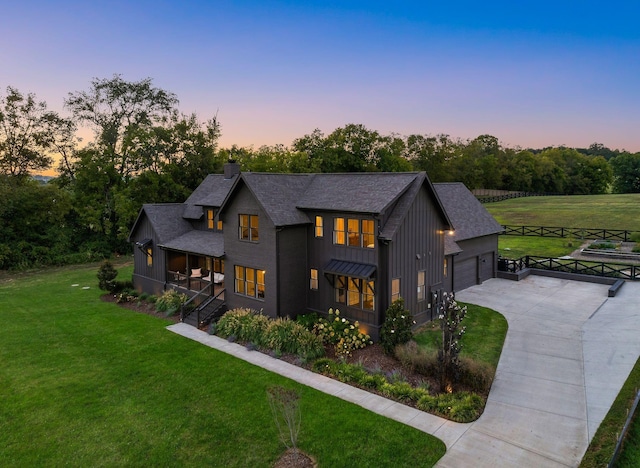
{"type": "Point", "coordinates": [289, 244]}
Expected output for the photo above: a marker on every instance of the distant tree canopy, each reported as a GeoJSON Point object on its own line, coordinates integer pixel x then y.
{"type": "Point", "coordinates": [143, 150]}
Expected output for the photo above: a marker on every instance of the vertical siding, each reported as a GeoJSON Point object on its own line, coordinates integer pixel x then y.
{"type": "Point", "coordinates": [476, 263]}
{"type": "Point", "coordinates": [418, 245]}
{"type": "Point", "coordinates": [322, 250]}
{"type": "Point", "coordinates": [148, 278]}
{"type": "Point", "coordinates": [260, 255]}
{"type": "Point", "coordinates": [293, 274]}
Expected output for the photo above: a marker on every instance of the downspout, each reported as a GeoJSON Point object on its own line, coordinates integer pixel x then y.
{"type": "Point", "coordinates": [277, 272]}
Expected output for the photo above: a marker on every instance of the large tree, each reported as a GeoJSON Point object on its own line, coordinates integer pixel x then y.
{"type": "Point", "coordinates": [626, 173]}
{"type": "Point", "coordinates": [29, 133]}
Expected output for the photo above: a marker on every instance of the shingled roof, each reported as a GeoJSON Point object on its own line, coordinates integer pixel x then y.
{"type": "Point", "coordinates": [166, 220]}
{"type": "Point", "coordinates": [198, 242]}
{"type": "Point", "coordinates": [212, 191]}
{"type": "Point", "coordinates": [278, 195]}
{"type": "Point", "coordinates": [467, 214]}
{"type": "Point", "coordinates": [367, 192]}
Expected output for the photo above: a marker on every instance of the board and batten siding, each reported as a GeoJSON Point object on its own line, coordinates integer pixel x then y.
{"type": "Point", "coordinates": [477, 262]}
{"type": "Point", "coordinates": [260, 255]}
{"type": "Point", "coordinates": [418, 245]}
{"type": "Point", "coordinates": [149, 279]}
{"type": "Point", "coordinates": [293, 281]}
{"type": "Point", "coordinates": [321, 250]}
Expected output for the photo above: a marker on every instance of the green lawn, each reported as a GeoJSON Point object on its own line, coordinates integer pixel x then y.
{"type": "Point", "coordinates": [519, 246]}
{"type": "Point", "coordinates": [619, 211]}
{"type": "Point", "coordinates": [87, 383]}
{"type": "Point", "coordinates": [483, 339]}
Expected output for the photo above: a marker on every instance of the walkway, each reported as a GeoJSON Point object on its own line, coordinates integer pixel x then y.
{"type": "Point", "coordinates": [568, 351]}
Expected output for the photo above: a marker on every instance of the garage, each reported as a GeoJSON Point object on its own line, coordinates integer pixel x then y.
{"type": "Point", "coordinates": [465, 273]}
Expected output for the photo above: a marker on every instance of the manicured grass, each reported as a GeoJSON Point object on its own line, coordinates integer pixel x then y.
{"type": "Point", "coordinates": [87, 383]}
{"type": "Point", "coordinates": [483, 339]}
{"type": "Point", "coordinates": [604, 441]}
{"type": "Point", "coordinates": [518, 246]}
{"type": "Point", "coordinates": [630, 456]}
{"type": "Point", "coordinates": [619, 211]}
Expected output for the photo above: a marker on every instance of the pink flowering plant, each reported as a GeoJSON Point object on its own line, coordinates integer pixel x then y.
{"type": "Point", "coordinates": [397, 327]}
{"type": "Point", "coordinates": [340, 332]}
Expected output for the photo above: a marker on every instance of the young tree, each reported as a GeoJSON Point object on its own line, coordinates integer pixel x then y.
{"type": "Point", "coordinates": [450, 314]}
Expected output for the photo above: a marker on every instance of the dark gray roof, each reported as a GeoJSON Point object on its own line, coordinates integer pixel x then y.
{"type": "Point", "coordinates": [199, 242]}
{"type": "Point", "coordinates": [401, 208]}
{"type": "Point", "coordinates": [470, 219]}
{"type": "Point", "coordinates": [212, 191]}
{"type": "Point", "coordinates": [278, 195]}
{"type": "Point", "coordinates": [192, 212]}
{"type": "Point", "coordinates": [165, 219]}
{"type": "Point", "coordinates": [367, 192]}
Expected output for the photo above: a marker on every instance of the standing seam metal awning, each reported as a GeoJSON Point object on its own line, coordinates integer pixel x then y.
{"type": "Point", "coordinates": [352, 269]}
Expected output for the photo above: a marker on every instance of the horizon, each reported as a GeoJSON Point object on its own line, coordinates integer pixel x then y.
{"type": "Point", "coordinates": [533, 75]}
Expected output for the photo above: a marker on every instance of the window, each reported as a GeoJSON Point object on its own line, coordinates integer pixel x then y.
{"type": "Point", "coordinates": [313, 283]}
{"type": "Point", "coordinates": [353, 226]}
{"type": "Point", "coordinates": [445, 267]}
{"type": "Point", "coordinates": [339, 234]}
{"type": "Point", "coordinates": [355, 292]}
{"type": "Point", "coordinates": [359, 233]}
{"type": "Point", "coordinates": [395, 289]}
{"type": "Point", "coordinates": [421, 285]}
{"type": "Point", "coordinates": [319, 227]}
{"type": "Point", "coordinates": [249, 282]}
{"type": "Point", "coordinates": [248, 227]}
{"type": "Point", "coordinates": [212, 224]}
{"type": "Point", "coordinates": [149, 253]}
{"type": "Point", "coordinates": [368, 241]}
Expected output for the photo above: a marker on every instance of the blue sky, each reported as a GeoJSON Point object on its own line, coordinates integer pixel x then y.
{"type": "Point", "coordinates": [533, 74]}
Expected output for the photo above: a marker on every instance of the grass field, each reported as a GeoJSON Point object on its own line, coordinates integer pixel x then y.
{"type": "Point", "coordinates": [87, 383]}
{"type": "Point", "coordinates": [594, 211]}
{"type": "Point", "coordinates": [619, 211]}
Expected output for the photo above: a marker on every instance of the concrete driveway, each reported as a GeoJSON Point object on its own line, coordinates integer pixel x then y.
{"type": "Point", "coordinates": [567, 353]}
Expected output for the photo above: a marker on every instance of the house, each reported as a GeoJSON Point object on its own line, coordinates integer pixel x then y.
{"type": "Point", "coordinates": [289, 244]}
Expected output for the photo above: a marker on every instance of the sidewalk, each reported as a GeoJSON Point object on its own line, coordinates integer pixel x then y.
{"type": "Point", "coordinates": [567, 353]}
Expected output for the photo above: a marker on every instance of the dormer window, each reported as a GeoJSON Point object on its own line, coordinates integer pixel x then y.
{"type": "Point", "coordinates": [212, 224]}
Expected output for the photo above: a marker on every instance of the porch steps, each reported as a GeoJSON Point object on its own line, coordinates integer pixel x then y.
{"type": "Point", "coordinates": [205, 313]}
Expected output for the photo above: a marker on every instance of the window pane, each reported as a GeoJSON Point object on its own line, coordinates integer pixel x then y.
{"type": "Point", "coordinates": [341, 289]}
{"type": "Point", "coordinates": [319, 226]}
{"type": "Point", "coordinates": [254, 228]}
{"type": "Point", "coordinates": [395, 289]}
{"type": "Point", "coordinates": [244, 227]}
{"type": "Point", "coordinates": [149, 256]}
{"type": "Point", "coordinates": [354, 232]}
{"type": "Point", "coordinates": [239, 272]}
{"type": "Point", "coordinates": [353, 296]}
{"type": "Point", "coordinates": [210, 216]}
{"type": "Point", "coordinates": [338, 231]}
{"type": "Point", "coordinates": [421, 285]}
{"type": "Point", "coordinates": [313, 283]}
{"type": "Point", "coordinates": [368, 239]}
{"type": "Point", "coordinates": [260, 283]}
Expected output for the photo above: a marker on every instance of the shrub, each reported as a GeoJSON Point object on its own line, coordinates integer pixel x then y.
{"type": "Point", "coordinates": [417, 358]}
{"type": "Point", "coordinates": [308, 321]}
{"type": "Point", "coordinates": [341, 333]}
{"type": "Point", "coordinates": [243, 324]}
{"type": "Point", "coordinates": [397, 326]}
{"type": "Point", "coordinates": [286, 336]}
{"type": "Point", "coordinates": [106, 277]}
{"type": "Point", "coordinates": [170, 302]}
{"type": "Point", "coordinates": [460, 407]}
{"type": "Point", "coordinates": [285, 407]}
{"type": "Point", "coordinates": [475, 375]}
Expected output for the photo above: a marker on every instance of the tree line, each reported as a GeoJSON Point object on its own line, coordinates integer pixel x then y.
{"type": "Point", "coordinates": [144, 150]}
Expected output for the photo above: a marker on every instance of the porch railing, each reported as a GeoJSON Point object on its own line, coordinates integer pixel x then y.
{"type": "Point", "coordinates": [199, 302]}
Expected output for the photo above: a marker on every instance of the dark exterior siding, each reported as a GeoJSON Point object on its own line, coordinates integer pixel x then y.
{"type": "Point", "coordinates": [476, 263]}
{"type": "Point", "coordinates": [321, 250]}
{"type": "Point", "coordinates": [293, 274]}
{"type": "Point", "coordinates": [418, 245]}
{"type": "Point", "coordinates": [150, 279]}
{"type": "Point", "coordinates": [260, 255]}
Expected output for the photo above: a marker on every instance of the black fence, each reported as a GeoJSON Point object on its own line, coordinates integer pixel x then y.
{"type": "Point", "coordinates": [609, 270]}
{"type": "Point", "coordinates": [578, 233]}
{"type": "Point", "coordinates": [496, 197]}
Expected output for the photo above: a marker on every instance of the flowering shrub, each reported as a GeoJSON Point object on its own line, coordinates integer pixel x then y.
{"type": "Point", "coordinates": [341, 333]}
{"type": "Point", "coordinates": [397, 326]}
{"type": "Point", "coordinates": [170, 302]}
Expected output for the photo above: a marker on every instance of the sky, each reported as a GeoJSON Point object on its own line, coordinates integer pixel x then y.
{"type": "Point", "coordinates": [531, 73]}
